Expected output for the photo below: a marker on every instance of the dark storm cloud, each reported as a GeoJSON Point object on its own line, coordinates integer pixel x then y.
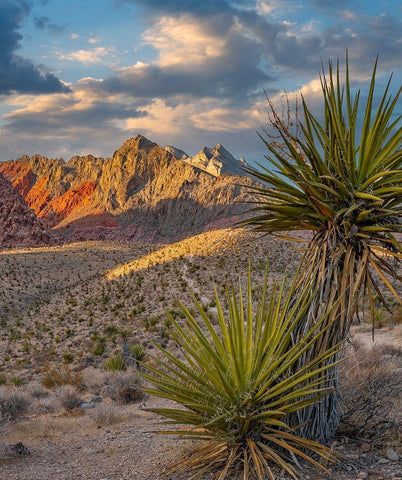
{"type": "Point", "coordinates": [43, 23]}
{"type": "Point", "coordinates": [18, 74]}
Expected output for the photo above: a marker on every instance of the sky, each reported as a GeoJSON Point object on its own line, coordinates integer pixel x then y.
{"type": "Point", "coordinates": [79, 77]}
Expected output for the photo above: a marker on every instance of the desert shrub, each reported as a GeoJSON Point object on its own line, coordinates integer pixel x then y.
{"type": "Point", "coordinates": [235, 386]}
{"type": "Point", "coordinates": [371, 389]}
{"type": "Point", "coordinates": [17, 381]}
{"type": "Point", "coordinates": [37, 390]}
{"type": "Point", "coordinates": [13, 404]}
{"type": "Point", "coordinates": [122, 386]}
{"type": "Point", "coordinates": [137, 353]}
{"type": "Point", "coordinates": [105, 415]}
{"type": "Point", "coordinates": [68, 357]}
{"type": "Point", "coordinates": [116, 362]}
{"type": "Point", "coordinates": [64, 375]}
{"type": "Point", "coordinates": [99, 348]}
{"type": "Point", "coordinates": [68, 397]}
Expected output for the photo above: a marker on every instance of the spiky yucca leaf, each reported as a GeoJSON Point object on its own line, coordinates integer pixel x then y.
{"type": "Point", "coordinates": [237, 385]}
{"type": "Point", "coordinates": [344, 186]}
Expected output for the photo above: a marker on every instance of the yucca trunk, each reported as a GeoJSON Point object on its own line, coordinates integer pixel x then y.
{"type": "Point", "coordinates": [336, 271]}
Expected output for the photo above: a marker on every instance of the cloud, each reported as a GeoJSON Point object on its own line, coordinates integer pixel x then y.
{"type": "Point", "coordinates": [18, 74]}
{"type": "Point", "coordinates": [94, 55]}
{"type": "Point", "coordinates": [193, 7]}
{"type": "Point", "coordinates": [184, 37]}
{"type": "Point", "coordinates": [43, 23]}
{"type": "Point", "coordinates": [221, 62]}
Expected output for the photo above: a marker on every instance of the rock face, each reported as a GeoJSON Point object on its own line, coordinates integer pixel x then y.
{"type": "Point", "coordinates": [19, 226]}
{"type": "Point", "coordinates": [216, 161]}
{"type": "Point", "coordinates": [144, 192]}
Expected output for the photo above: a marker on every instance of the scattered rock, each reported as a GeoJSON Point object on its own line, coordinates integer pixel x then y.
{"type": "Point", "coordinates": [391, 455]}
{"type": "Point", "coordinates": [20, 449]}
{"type": "Point", "coordinates": [87, 405]}
{"type": "Point", "coordinates": [382, 461]}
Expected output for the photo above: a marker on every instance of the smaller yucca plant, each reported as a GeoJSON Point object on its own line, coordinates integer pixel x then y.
{"type": "Point", "coordinates": [237, 385]}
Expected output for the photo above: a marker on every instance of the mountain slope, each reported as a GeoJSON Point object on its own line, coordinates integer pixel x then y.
{"type": "Point", "coordinates": [19, 226]}
{"type": "Point", "coordinates": [142, 193]}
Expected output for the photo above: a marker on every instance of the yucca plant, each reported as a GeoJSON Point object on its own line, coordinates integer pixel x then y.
{"type": "Point", "coordinates": [236, 383]}
{"type": "Point", "coordinates": [342, 181]}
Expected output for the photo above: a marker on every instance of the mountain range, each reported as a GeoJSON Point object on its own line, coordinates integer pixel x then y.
{"type": "Point", "coordinates": [144, 192]}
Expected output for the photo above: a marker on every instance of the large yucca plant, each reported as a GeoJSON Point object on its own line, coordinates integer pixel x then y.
{"type": "Point", "coordinates": [341, 179]}
{"type": "Point", "coordinates": [237, 385]}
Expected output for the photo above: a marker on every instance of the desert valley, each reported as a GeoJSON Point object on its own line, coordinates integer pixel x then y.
{"type": "Point", "coordinates": [94, 256]}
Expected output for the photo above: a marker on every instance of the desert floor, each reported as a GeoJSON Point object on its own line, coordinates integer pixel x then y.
{"type": "Point", "coordinates": [66, 310]}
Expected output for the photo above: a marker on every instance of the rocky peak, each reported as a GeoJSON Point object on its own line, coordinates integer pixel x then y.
{"type": "Point", "coordinates": [139, 142]}
{"type": "Point", "coordinates": [217, 161]}
{"type": "Point", "coordinates": [176, 152]}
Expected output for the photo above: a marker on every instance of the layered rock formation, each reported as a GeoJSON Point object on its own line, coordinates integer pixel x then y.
{"type": "Point", "coordinates": [142, 193]}
{"type": "Point", "coordinates": [19, 226]}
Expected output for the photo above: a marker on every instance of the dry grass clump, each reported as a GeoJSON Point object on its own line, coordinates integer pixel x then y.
{"type": "Point", "coordinates": [104, 415]}
{"type": "Point", "coordinates": [371, 390]}
{"type": "Point", "coordinates": [68, 397]}
{"type": "Point", "coordinates": [122, 386]}
{"type": "Point", "coordinates": [58, 376]}
{"type": "Point", "coordinates": [13, 404]}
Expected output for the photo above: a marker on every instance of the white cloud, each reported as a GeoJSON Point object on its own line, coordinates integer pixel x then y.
{"type": "Point", "coordinates": [184, 38]}
{"type": "Point", "coordinates": [94, 55]}
{"type": "Point", "coordinates": [74, 36]}
{"type": "Point", "coordinates": [211, 117]}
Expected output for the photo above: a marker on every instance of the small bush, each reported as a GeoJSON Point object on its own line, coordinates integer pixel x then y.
{"type": "Point", "coordinates": [122, 387]}
{"type": "Point", "coordinates": [99, 348]}
{"type": "Point", "coordinates": [115, 363]}
{"type": "Point", "coordinates": [371, 388]}
{"type": "Point", "coordinates": [17, 381]}
{"type": "Point", "coordinates": [13, 404]}
{"type": "Point", "coordinates": [57, 377]}
{"type": "Point", "coordinates": [137, 352]}
{"type": "Point", "coordinates": [105, 415]}
{"type": "Point", "coordinates": [68, 397]}
{"type": "Point", "coordinates": [68, 357]}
